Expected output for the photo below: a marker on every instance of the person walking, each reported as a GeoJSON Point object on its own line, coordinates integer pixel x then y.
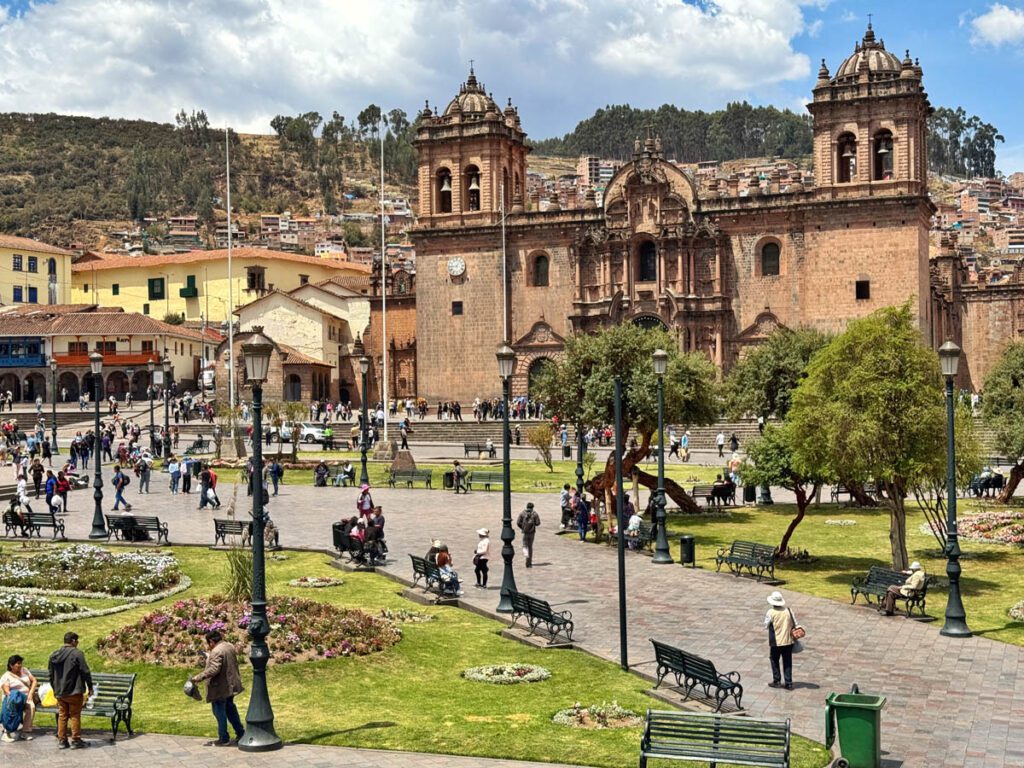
{"type": "Point", "coordinates": [70, 678]}
{"type": "Point", "coordinates": [720, 442]}
{"type": "Point", "coordinates": [734, 443]}
{"type": "Point", "coordinates": [563, 500]}
{"type": "Point", "coordinates": [780, 623]}
{"type": "Point", "coordinates": [582, 516]}
{"type": "Point", "coordinates": [276, 473]}
{"type": "Point", "coordinates": [144, 474]}
{"type": "Point", "coordinates": [223, 683]}
{"type": "Point", "coordinates": [481, 556]}
{"type": "Point", "coordinates": [527, 522]}
{"type": "Point", "coordinates": [120, 482]}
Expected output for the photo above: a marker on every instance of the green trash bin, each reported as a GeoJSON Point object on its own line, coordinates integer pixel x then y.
{"type": "Point", "coordinates": [857, 717]}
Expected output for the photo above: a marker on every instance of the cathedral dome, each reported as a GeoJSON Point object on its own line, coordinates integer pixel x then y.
{"type": "Point", "coordinates": [871, 55]}
{"type": "Point", "coordinates": [472, 100]}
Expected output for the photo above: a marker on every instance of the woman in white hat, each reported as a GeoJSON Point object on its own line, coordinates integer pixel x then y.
{"type": "Point", "coordinates": [483, 553]}
{"type": "Point", "coordinates": [914, 584]}
{"type": "Point", "coordinates": [780, 623]}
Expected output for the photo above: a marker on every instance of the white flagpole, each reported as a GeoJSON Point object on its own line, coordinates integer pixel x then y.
{"type": "Point", "coordinates": [231, 293]}
{"type": "Point", "coordinates": [383, 282]}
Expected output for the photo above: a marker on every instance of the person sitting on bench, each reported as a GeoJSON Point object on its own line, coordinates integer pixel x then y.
{"type": "Point", "coordinates": [913, 585]}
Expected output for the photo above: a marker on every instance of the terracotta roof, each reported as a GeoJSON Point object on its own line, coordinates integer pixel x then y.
{"type": "Point", "coordinates": [288, 296]}
{"type": "Point", "coordinates": [114, 262]}
{"type": "Point", "coordinates": [361, 284]}
{"type": "Point", "coordinates": [27, 244]}
{"type": "Point", "coordinates": [50, 309]}
{"type": "Point", "coordinates": [294, 357]}
{"type": "Point", "coordinates": [92, 324]}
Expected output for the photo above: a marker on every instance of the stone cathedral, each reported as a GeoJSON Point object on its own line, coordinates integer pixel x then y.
{"type": "Point", "coordinates": [720, 264]}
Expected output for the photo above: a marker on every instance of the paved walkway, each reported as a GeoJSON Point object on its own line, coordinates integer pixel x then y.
{"type": "Point", "coordinates": [950, 703]}
{"type": "Point", "coordinates": [159, 751]}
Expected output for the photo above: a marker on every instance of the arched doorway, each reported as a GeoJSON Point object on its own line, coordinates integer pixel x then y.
{"type": "Point", "coordinates": [117, 384]}
{"type": "Point", "coordinates": [10, 382]}
{"type": "Point", "coordinates": [140, 385]}
{"type": "Point", "coordinates": [344, 395]}
{"type": "Point", "coordinates": [35, 386]}
{"type": "Point", "coordinates": [649, 322]}
{"type": "Point", "coordinates": [293, 388]}
{"type": "Point", "coordinates": [89, 385]}
{"type": "Point", "coordinates": [537, 367]}
{"type": "Point", "coordinates": [69, 382]}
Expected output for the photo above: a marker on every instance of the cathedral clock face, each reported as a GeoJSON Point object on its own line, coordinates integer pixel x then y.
{"type": "Point", "coordinates": [456, 266]}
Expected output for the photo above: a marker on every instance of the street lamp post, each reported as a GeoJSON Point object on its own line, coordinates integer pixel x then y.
{"type": "Point", "coordinates": [661, 552]}
{"type": "Point", "coordinates": [166, 365]}
{"type": "Point", "coordinates": [151, 366]}
{"type": "Point", "coordinates": [99, 530]}
{"type": "Point", "coordinates": [956, 616]}
{"type": "Point", "coordinates": [259, 735]}
{"type": "Point", "coordinates": [53, 400]}
{"type": "Point", "coordinates": [581, 450]}
{"type": "Point", "coordinates": [364, 477]}
{"type": "Point", "coordinates": [506, 364]}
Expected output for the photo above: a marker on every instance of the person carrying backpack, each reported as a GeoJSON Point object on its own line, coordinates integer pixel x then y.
{"type": "Point", "coordinates": [527, 522]}
{"type": "Point", "coordinates": [120, 482]}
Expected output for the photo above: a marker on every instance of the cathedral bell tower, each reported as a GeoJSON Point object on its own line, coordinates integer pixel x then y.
{"type": "Point", "coordinates": [472, 160]}
{"type": "Point", "coordinates": [870, 123]}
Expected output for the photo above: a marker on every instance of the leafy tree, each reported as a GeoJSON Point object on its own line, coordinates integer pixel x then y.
{"type": "Point", "coordinates": [540, 438]}
{"type": "Point", "coordinates": [762, 383]}
{"type": "Point", "coordinates": [174, 318]}
{"type": "Point", "coordinates": [579, 388]}
{"type": "Point", "coordinates": [369, 120]}
{"type": "Point", "coordinates": [871, 408]}
{"type": "Point", "coordinates": [960, 144]}
{"type": "Point", "coordinates": [1003, 409]}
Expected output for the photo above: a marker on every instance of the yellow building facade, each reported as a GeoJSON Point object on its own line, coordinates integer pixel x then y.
{"type": "Point", "coordinates": [196, 284]}
{"type": "Point", "coordinates": [32, 272]}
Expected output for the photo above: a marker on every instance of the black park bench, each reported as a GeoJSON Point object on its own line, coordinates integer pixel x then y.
{"type": "Point", "coordinates": [431, 575]}
{"type": "Point", "coordinates": [136, 528]}
{"type": "Point", "coordinates": [33, 522]}
{"type": "Point", "coordinates": [486, 479]}
{"type": "Point", "coordinates": [224, 528]}
{"type": "Point", "coordinates": [538, 612]}
{"type": "Point", "coordinates": [877, 583]}
{"type": "Point", "coordinates": [410, 476]}
{"type": "Point", "coordinates": [643, 538]}
{"type": "Point", "coordinates": [475, 449]}
{"type": "Point", "coordinates": [749, 555]}
{"type": "Point", "coordinates": [691, 670]}
{"type": "Point", "coordinates": [199, 445]}
{"type": "Point", "coordinates": [716, 495]}
{"type": "Point", "coordinates": [711, 738]}
{"type": "Point", "coordinates": [114, 694]}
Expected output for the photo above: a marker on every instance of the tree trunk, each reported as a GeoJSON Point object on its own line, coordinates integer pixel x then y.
{"type": "Point", "coordinates": [606, 480]}
{"type": "Point", "coordinates": [897, 526]}
{"type": "Point", "coordinates": [858, 494]}
{"type": "Point", "coordinates": [803, 500]}
{"type": "Point", "coordinates": [1016, 475]}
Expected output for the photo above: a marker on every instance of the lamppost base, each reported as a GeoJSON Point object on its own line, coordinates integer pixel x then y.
{"type": "Point", "coordinates": [504, 605]}
{"type": "Point", "coordinates": [259, 737]}
{"type": "Point", "coordinates": [956, 628]}
{"type": "Point", "coordinates": [98, 535]}
{"type": "Point", "coordinates": [662, 558]}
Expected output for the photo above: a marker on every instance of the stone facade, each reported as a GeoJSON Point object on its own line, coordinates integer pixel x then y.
{"type": "Point", "coordinates": [720, 265]}
{"type": "Point", "coordinates": [292, 376]}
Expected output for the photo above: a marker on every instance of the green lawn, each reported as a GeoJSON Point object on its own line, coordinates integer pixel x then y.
{"type": "Point", "coordinates": [991, 582]}
{"type": "Point", "coordinates": [410, 697]}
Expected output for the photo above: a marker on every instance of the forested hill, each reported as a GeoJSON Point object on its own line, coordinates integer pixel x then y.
{"type": "Point", "coordinates": [739, 130]}
{"type": "Point", "coordinates": [958, 143]}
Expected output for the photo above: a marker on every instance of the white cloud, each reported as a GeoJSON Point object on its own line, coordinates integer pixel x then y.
{"type": "Point", "coordinates": [244, 61]}
{"type": "Point", "coordinates": [999, 25]}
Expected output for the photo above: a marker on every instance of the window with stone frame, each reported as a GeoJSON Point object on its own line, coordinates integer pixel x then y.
{"type": "Point", "coordinates": [255, 278]}
{"type": "Point", "coordinates": [846, 161]}
{"type": "Point", "coordinates": [770, 260]}
{"type": "Point", "coordinates": [541, 267]}
{"type": "Point", "coordinates": [647, 271]}
{"type": "Point", "coordinates": [883, 156]}
{"type": "Point", "coordinates": [444, 191]}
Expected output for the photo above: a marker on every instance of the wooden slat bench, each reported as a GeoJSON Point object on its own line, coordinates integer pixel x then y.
{"type": "Point", "coordinates": [538, 612]}
{"type": "Point", "coordinates": [691, 670]}
{"type": "Point", "coordinates": [475, 449]}
{"type": "Point", "coordinates": [131, 528]}
{"type": "Point", "coordinates": [410, 476]}
{"type": "Point", "coordinates": [644, 538]}
{"type": "Point", "coordinates": [486, 479]}
{"type": "Point", "coordinates": [713, 739]}
{"type": "Point", "coordinates": [223, 528]}
{"type": "Point", "coordinates": [876, 583]}
{"type": "Point", "coordinates": [749, 555]}
{"type": "Point", "coordinates": [33, 522]}
{"type": "Point", "coordinates": [431, 575]}
{"type": "Point", "coordinates": [114, 694]}
{"type": "Point", "coordinates": [723, 494]}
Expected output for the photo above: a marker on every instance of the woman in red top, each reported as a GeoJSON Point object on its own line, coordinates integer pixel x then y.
{"type": "Point", "coordinates": [63, 486]}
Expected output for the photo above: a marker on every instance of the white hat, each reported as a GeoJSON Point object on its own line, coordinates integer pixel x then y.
{"type": "Point", "coordinates": [776, 599]}
{"type": "Point", "coordinates": [915, 566]}
{"type": "Point", "coordinates": [482, 532]}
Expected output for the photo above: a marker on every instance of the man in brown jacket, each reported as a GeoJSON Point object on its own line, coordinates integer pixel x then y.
{"type": "Point", "coordinates": [70, 678]}
{"type": "Point", "coordinates": [223, 683]}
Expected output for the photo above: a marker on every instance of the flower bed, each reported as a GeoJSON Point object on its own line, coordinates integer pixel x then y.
{"type": "Point", "coordinates": [841, 522]}
{"type": "Point", "coordinates": [315, 582]}
{"type": "Point", "coordinates": [402, 616]}
{"type": "Point", "coordinates": [997, 527]}
{"type": "Point", "coordinates": [597, 716]}
{"type": "Point", "coordinates": [506, 674]}
{"type": "Point", "coordinates": [16, 608]}
{"type": "Point", "coordinates": [86, 569]}
{"type": "Point", "coordinates": [302, 630]}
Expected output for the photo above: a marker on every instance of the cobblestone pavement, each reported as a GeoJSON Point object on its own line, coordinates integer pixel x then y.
{"type": "Point", "coordinates": [950, 702]}
{"type": "Point", "coordinates": [159, 751]}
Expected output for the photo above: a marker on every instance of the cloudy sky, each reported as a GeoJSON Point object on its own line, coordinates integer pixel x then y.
{"type": "Point", "coordinates": [244, 61]}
